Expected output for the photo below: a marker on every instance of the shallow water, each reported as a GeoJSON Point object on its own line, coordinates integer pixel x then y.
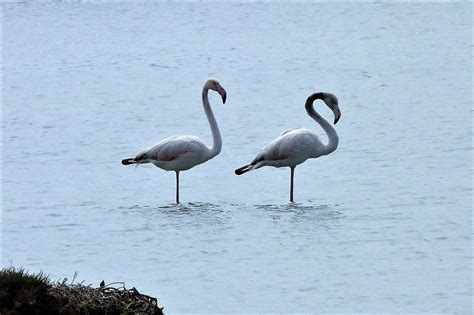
{"type": "Point", "coordinates": [382, 224]}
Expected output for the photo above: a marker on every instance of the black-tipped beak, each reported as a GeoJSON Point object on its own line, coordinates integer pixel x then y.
{"type": "Point", "coordinates": [224, 97]}
{"type": "Point", "coordinates": [337, 114]}
{"type": "Point", "coordinates": [222, 93]}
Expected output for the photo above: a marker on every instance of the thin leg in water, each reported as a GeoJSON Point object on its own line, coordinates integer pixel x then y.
{"type": "Point", "coordinates": [292, 183]}
{"type": "Point", "coordinates": [177, 186]}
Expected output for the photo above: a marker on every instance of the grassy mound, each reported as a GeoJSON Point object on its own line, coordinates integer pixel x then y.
{"type": "Point", "coordinates": [24, 293]}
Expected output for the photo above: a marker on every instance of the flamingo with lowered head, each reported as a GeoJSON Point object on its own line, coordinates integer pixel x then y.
{"type": "Point", "coordinates": [293, 147]}
{"type": "Point", "coordinates": [180, 153]}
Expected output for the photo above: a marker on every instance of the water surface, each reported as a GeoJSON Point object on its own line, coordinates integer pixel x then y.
{"type": "Point", "coordinates": [382, 224]}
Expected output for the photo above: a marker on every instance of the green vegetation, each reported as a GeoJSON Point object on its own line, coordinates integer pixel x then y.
{"type": "Point", "coordinates": [24, 293]}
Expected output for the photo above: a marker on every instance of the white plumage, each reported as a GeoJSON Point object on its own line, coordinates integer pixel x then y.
{"type": "Point", "coordinates": [176, 153]}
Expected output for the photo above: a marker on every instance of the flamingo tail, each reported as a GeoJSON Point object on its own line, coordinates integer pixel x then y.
{"type": "Point", "coordinates": [141, 158]}
{"type": "Point", "coordinates": [129, 161]}
{"type": "Point", "coordinates": [244, 169]}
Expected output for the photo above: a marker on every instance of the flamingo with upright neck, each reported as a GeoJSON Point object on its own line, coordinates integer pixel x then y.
{"type": "Point", "coordinates": [293, 147]}
{"type": "Point", "coordinates": [180, 153]}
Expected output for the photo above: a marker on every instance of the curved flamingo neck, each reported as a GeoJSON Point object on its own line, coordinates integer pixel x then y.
{"type": "Point", "coordinates": [333, 138]}
{"type": "Point", "coordinates": [216, 135]}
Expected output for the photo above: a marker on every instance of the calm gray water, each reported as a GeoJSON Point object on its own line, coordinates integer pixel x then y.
{"type": "Point", "coordinates": [382, 224]}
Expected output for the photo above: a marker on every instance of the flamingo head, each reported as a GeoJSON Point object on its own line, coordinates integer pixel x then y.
{"type": "Point", "coordinates": [331, 102]}
{"type": "Point", "coordinates": [214, 85]}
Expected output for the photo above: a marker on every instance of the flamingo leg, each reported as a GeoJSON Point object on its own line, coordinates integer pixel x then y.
{"type": "Point", "coordinates": [177, 186]}
{"type": "Point", "coordinates": [292, 183]}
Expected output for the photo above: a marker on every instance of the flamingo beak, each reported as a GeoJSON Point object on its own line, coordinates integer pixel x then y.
{"type": "Point", "coordinates": [337, 113]}
{"type": "Point", "coordinates": [222, 93]}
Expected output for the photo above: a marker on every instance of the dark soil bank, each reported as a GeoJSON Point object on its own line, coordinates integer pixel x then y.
{"type": "Point", "coordinates": [23, 293]}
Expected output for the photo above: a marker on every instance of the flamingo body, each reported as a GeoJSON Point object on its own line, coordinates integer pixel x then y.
{"type": "Point", "coordinates": [291, 148]}
{"type": "Point", "coordinates": [176, 153]}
